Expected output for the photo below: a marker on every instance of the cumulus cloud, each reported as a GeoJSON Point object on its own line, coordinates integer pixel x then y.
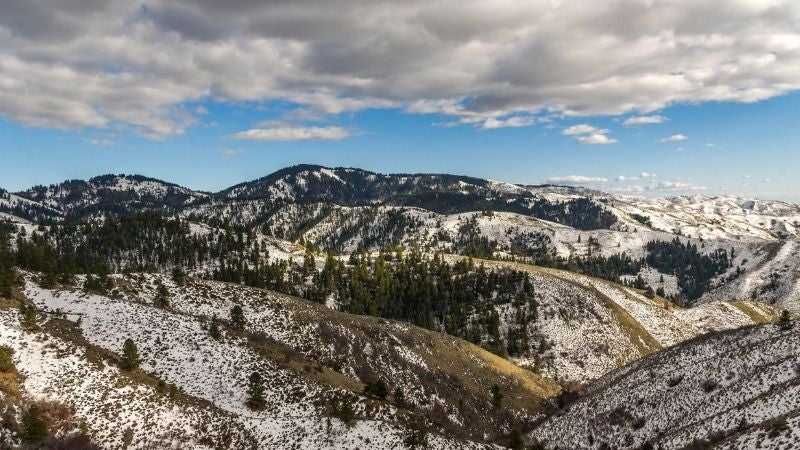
{"type": "Point", "coordinates": [103, 63]}
{"type": "Point", "coordinates": [596, 139]}
{"type": "Point", "coordinates": [510, 122]}
{"type": "Point", "coordinates": [292, 133]}
{"type": "Point", "coordinates": [583, 128]}
{"type": "Point", "coordinates": [577, 179]}
{"type": "Point", "coordinates": [675, 138]}
{"type": "Point", "coordinates": [587, 134]}
{"type": "Point", "coordinates": [643, 120]}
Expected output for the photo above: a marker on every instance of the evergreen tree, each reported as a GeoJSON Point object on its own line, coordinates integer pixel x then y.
{"type": "Point", "coordinates": [162, 296]}
{"type": "Point", "coordinates": [28, 317]}
{"type": "Point", "coordinates": [255, 391]}
{"type": "Point", "coordinates": [309, 264]}
{"type": "Point", "coordinates": [399, 398]}
{"type": "Point", "coordinates": [213, 329]}
{"type": "Point", "coordinates": [497, 397]}
{"type": "Point", "coordinates": [785, 321]}
{"type": "Point", "coordinates": [34, 425]}
{"type": "Point", "coordinates": [343, 410]}
{"type": "Point", "coordinates": [178, 275]}
{"type": "Point", "coordinates": [237, 317]}
{"type": "Point", "coordinates": [130, 355]}
{"type": "Point", "coordinates": [377, 389]}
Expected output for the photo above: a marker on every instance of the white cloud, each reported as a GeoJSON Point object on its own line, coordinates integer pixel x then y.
{"type": "Point", "coordinates": [293, 133]}
{"type": "Point", "coordinates": [644, 120]}
{"type": "Point", "coordinates": [99, 64]}
{"type": "Point", "coordinates": [510, 122]}
{"type": "Point", "coordinates": [577, 179]}
{"type": "Point", "coordinates": [647, 175]}
{"type": "Point", "coordinates": [675, 138]}
{"type": "Point", "coordinates": [583, 128]}
{"type": "Point", "coordinates": [587, 134]}
{"type": "Point", "coordinates": [596, 139]}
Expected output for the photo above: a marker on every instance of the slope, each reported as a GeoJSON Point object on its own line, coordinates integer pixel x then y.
{"type": "Point", "coordinates": [736, 389]}
{"type": "Point", "coordinates": [311, 357]}
{"type": "Point", "coordinates": [589, 326]}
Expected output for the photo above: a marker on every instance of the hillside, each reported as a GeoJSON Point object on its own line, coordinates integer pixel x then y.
{"type": "Point", "coordinates": [732, 390]}
{"type": "Point", "coordinates": [309, 356]}
{"type": "Point", "coordinates": [587, 327]}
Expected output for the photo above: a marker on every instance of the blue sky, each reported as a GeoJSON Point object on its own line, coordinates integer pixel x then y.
{"type": "Point", "coordinates": [730, 148]}
{"type": "Point", "coordinates": [528, 92]}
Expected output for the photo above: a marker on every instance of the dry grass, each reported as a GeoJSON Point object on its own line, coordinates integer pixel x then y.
{"type": "Point", "coordinates": [9, 384]}
{"type": "Point", "coordinates": [8, 303]}
{"type": "Point", "coordinates": [758, 313]}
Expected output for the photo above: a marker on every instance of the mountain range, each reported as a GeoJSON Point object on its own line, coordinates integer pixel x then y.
{"type": "Point", "coordinates": [597, 321]}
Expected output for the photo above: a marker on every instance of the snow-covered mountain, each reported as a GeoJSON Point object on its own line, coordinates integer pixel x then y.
{"type": "Point", "coordinates": [717, 217]}
{"type": "Point", "coordinates": [111, 194]}
{"type": "Point", "coordinates": [348, 209]}
{"type": "Point", "coordinates": [347, 381]}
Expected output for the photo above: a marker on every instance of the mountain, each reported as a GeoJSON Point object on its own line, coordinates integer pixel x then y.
{"type": "Point", "coordinates": [717, 217]}
{"type": "Point", "coordinates": [111, 194]}
{"type": "Point", "coordinates": [732, 390]}
{"type": "Point", "coordinates": [347, 210]}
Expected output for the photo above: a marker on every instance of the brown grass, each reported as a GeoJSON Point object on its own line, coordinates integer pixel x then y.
{"type": "Point", "coordinates": [9, 384]}
{"type": "Point", "coordinates": [759, 314]}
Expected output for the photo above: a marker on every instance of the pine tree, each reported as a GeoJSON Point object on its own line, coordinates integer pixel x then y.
{"type": "Point", "coordinates": [497, 397]}
{"type": "Point", "coordinates": [34, 425]}
{"type": "Point", "coordinates": [785, 321]}
{"type": "Point", "coordinates": [255, 391]}
{"type": "Point", "coordinates": [343, 410]}
{"type": "Point", "coordinates": [28, 317]}
{"type": "Point", "coordinates": [515, 440]}
{"type": "Point", "coordinates": [399, 398]}
{"type": "Point", "coordinates": [237, 317]}
{"type": "Point", "coordinates": [309, 264]}
{"type": "Point", "coordinates": [178, 276]}
{"type": "Point", "coordinates": [162, 296]}
{"type": "Point", "coordinates": [213, 329]}
{"type": "Point", "coordinates": [130, 355]}
{"type": "Point", "coordinates": [377, 389]}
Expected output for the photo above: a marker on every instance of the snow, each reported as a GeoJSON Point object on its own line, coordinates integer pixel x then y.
{"type": "Point", "coordinates": [175, 347]}
{"type": "Point", "coordinates": [735, 385]}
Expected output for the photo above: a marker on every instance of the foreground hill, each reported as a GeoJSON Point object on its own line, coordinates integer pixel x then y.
{"type": "Point", "coordinates": [732, 390]}
{"type": "Point", "coordinates": [313, 360]}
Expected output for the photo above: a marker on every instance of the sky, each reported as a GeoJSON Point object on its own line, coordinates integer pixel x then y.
{"type": "Point", "coordinates": [638, 97]}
